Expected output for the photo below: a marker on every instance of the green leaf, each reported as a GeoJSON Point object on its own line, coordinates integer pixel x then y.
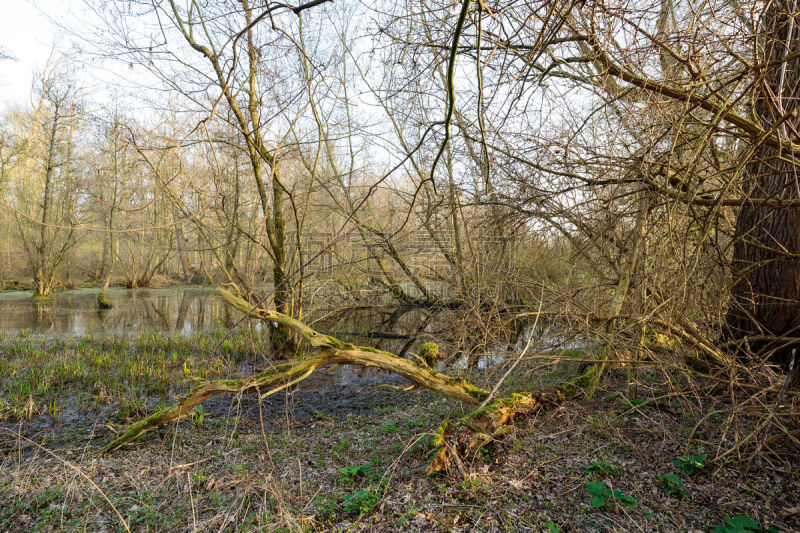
{"type": "Point", "coordinates": [597, 501]}
{"type": "Point", "coordinates": [552, 528]}
{"type": "Point", "coordinates": [628, 501]}
{"type": "Point", "coordinates": [598, 488]}
{"type": "Point", "coordinates": [672, 484]}
{"type": "Point", "coordinates": [689, 464]}
{"type": "Point", "coordinates": [738, 524]}
{"type": "Point", "coordinates": [742, 522]}
{"type": "Point", "coordinates": [603, 468]}
{"type": "Point", "coordinates": [356, 470]}
{"type": "Point", "coordinates": [361, 502]}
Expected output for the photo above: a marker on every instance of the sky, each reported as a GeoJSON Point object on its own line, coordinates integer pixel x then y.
{"type": "Point", "coordinates": [28, 33]}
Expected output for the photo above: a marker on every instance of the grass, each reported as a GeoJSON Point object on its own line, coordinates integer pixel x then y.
{"type": "Point", "coordinates": [41, 375]}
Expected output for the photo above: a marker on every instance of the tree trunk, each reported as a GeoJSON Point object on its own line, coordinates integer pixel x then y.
{"type": "Point", "coordinates": [41, 273]}
{"type": "Point", "coordinates": [179, 243]}
{"type": "Point", "coordinates": [766, 262]}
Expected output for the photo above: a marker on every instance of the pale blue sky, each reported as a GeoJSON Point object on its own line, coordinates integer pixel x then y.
{"type": "Point", "coordinates": [28, 33]}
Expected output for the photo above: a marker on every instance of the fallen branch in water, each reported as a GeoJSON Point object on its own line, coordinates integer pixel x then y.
{"type": "Point", "coordinates": [457, 441]}
{"type": "Point", "coordinates": [331, 351]}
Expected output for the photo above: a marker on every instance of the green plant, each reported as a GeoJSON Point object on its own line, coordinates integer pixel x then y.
{"type": "Point", "coordinates": [602, 494]}
{"type": "Point", "coordinates": [738, 524]}
{"type": "Point", "coordinates": [326, 506]}
{"type": "Point", "coordinates": [361, 502]}
{"type": "Point", "coordinates": [199, 415]}
{"type": "Point", "coordinates": [429, 351]}
{"type": "Point", "coordinates": [424, 443]}
{"type": "Point", "coordinates": [483, 454]}
{"type": "Point", "coordinates": [690, 464]}
{"type": "Point", "coordinates": [350, 473]}
{"type": "Point", "coordinates": [672, 484]}
{"type": "Point", "coordinates": [411, 423]}
{"type": "Point", "coordinates": [473, 484]}
{"type": "Point", "coordinates": [716, 417]}
{"type": "Point", "coordinates": [389, 426]}
{"type": "Point", "coordinates": [407, 515]}
{"type": "Point", "coordinates": [342, 447]}
{"type": "Point", "coordinates": [601, 468]}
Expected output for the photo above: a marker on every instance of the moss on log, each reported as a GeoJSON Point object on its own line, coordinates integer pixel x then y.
{"type": "Point", "coordinates": [459, 442]}
{"type": "Point", "coordinates": [331, 351]}
{"type": "Point", "coordinates": [103, 302]}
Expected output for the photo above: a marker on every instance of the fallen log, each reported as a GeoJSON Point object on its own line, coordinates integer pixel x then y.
{"type": "Point", "coordinates": [457, 442]}
{"type": "Point", "coordinates": [462, 440]}
{"type": "Point", "coordinates": [331, 351]}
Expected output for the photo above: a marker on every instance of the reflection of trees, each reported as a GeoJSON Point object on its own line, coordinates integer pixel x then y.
{"type": "Point", "coordinates": [183, 309]}
{"type": "Point", "coordinates": [42, 316]}
{"type": "Point", "coordinates": [201, 311]}
{"type": "Point", "coordinates": [157, 315]}
{"type": "Point", "coordinates": [143, 310]}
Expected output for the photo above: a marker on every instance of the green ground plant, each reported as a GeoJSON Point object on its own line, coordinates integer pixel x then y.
{"type": "Point", "coordinates": [601, 468]}
{"type": "Point", "coordinates": [672, 484]}
{"type": "Point", "coordinates": [603, 495]}
{"type": "Point", "coordinates": [690, 465]}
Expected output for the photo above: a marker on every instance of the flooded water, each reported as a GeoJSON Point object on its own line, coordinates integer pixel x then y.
{"type": "Point", "coordinates": [337, 391]}
{"type": "Point", "coordinates": [191, 309]}
{"type": "Point", "coordinates": [183, 310]}
{"type": "Point", "coordinates": [73, 313]}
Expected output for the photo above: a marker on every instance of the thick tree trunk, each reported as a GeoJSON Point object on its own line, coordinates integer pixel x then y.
{"type": "Point", "coordinates": [765, 298]}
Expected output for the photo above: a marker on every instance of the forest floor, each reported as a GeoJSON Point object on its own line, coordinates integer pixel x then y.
{"type": "Point", "coordinates": [343, 453]}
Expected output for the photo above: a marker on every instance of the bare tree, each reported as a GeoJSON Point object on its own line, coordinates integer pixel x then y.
{"type": "Point", "coordinates": [45, 220]}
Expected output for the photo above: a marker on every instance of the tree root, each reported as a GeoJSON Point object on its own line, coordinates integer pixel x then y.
{"type": "Point", "coordinates": [331, 351]}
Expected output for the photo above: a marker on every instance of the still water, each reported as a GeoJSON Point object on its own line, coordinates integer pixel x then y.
{"type": "Point", "coordinates": [72, 313]}
{"type": "Point", "coordinates": [182, 310]}
{"type": "Point", "coordinates": [191, 309]}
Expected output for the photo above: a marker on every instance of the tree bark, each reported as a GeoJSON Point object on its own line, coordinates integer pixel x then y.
{"type": "Point", "coordinates": [765, 298]}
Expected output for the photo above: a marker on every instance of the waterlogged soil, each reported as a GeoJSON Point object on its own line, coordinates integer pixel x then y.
{"type": "Point", "coordinates": [334, 393]}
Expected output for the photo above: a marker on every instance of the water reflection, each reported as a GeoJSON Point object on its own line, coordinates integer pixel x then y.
{"type": "Point", "coordinates": [186, 310]}
{"type": "Point", "coordinates": [176, 310]}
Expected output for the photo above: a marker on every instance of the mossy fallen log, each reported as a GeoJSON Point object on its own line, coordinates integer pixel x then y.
{"type": "Point", "coordinates": [461, 441]}
{"type": "Point", "coordinates": [458, 442]}
{"type": "Point", "coordinates": [331, 351]}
